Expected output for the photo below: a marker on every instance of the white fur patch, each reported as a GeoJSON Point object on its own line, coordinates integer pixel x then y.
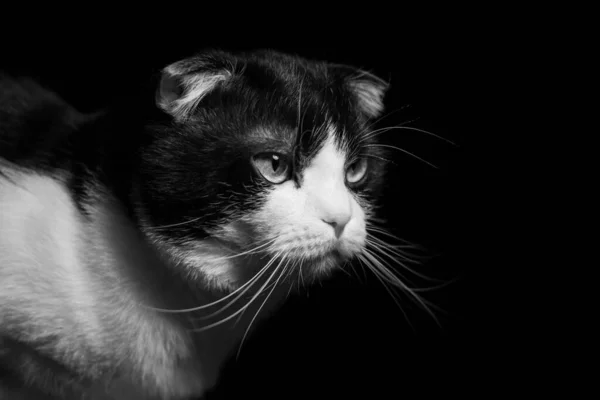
{"type": "Point", "coordinates": [79, 284]}
{"type": "Point", "coordinates": [203, 260]}
{"type": "Point", "coordinates": [301, 218]}
{"type": "Point", "coordinates": [195, 88]}
{"type": "Point", "coordinates": [304, 223]}
{"type": "Point", "coordinates": [86, 281]}
{"type": "Point", "coordinates": [370, 96]}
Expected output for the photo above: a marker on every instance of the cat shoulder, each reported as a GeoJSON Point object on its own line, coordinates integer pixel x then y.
{"type": "Point", "coordinates": [34, 121]}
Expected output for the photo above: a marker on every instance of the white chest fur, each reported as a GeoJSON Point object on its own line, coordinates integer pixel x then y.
{"type": "Point", "coordinates": [73, 281]}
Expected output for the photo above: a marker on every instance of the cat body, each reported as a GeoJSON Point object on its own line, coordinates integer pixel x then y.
{"type": "Point", "coordinates": [137, 246]}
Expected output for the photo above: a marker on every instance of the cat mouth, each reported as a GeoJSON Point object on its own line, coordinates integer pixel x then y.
{"type": "Point", "coordinates": [328, 253]}
{"type": "Point", "coordinates": [331, 255]}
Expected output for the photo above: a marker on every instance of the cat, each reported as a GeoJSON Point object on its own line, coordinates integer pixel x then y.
{"type": "Point", "coordinates": [139, 245]}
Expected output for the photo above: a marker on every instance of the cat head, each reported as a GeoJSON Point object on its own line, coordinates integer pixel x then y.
{"type": "Point", "coordinates": [261, 158]}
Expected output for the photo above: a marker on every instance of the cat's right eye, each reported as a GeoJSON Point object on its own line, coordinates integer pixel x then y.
{"type": "Point", "coordinates": [356, 171]}
{"type": "Point", "coordinates": [274, 167]}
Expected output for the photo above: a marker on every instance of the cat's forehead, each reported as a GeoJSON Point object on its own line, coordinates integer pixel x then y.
{"type": "Point", "coordinates": [276, 86]}
{"type": "Point", "coordinates": [264, 86]}
{"type": "Point", "coordinates": [303, 106]}
{"type": "Point", "coordinates": [242, 104]}
{"type": "Point", "coordinates": [220, 112]}
{"type": "Point", "coordinates": [330, 158]}
{"type": "Point", "coordinates": [306, 142]}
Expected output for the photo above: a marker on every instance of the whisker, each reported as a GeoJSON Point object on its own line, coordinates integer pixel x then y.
{"type": "Point", "coordinates": [406, 128]}
{"type": "Point", "coordinates": [393, 279]}
{"type": "Point", "coordinates": [301, 275]}
{"type": "Point", "coordinates": [364, 262]}
{"type": "Point", "coordinates": [381, 267]}
{"type": "Point", "coordinates": [362, 267]}
{"type": "Point", "coordinates": [298, 121]}
{"type": "Point", "coordinates": [247, 252]}
{"type": "Point", "coordinates": [287, 296]}
{"type": "Point", "coordinates": [371, 227]}
{"type": "Point", "coordinates": [410, 128]}
{"type": "Point", "coordinates": [222, 299]}
{"type": "Point", "coordinates": [396, 251]}
{"type": "Point", "coordinates": [407, 252]}
{"type": "Point", "coordinates": [378, 243]}
{"type": "Point", "coordinates": [254, 279]}
{"type": "Point", "coordinates": [392, 252]}
{"type": "Point", "coordinates": [260, 308]}
{"type": "Point", "coordinates": [403, 151]}
{"type": "Point", "coordinates": [388, 267]}
{"type": "Point", "coordinates": [344, 271]}
{"type": "Point", "coordinates": [380, 119]}
{"type": "Point", "coordinates": [387, 115]}
{"type": "Point", "coordinates": [177, 224]}
{"type": "Point", "coordinates": [222, 321]}
{"type": "Point", "coordinates": [404, 266]}
{"type": "Point", "coordinates": [355, 271]}
{"type": "Point", "coordinates": [272, 284]}
{"type": "Point", "coordinates": [437, 287]}
{"type": "Point", "coordinates": [378, 158]}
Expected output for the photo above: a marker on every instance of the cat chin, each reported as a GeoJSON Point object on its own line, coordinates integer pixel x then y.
{"type": "Point", "coordinates": [216, 264]}
{"type": "Point", "coordinates": [323, 268]}
{"type": "Point", "coordinates": [243, 269]}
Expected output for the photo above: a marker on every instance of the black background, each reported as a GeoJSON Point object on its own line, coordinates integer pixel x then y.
{"type": "Point", "coordinates": [346, 337]}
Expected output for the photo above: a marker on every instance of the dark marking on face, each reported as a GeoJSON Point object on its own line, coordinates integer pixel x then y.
{"type": "Point", "coordinates": [173, 171]}
{"type": "Point", "coordinates": [200, 168]}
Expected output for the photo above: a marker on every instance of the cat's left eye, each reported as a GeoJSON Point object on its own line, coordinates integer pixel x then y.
{"type": "Point", "coordinates": [274, 167]}
{"type": "Point", "coordinates": [356, 171]}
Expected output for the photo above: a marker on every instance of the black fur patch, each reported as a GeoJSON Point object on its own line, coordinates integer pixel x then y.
{"type": "Point", "coordinates": [199, 169]}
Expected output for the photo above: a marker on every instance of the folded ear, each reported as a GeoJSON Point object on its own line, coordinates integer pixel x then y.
{"type": "Point", "coordinates": [368, 88]}
{"type": "Point", "coordinates": [370, 91]}
{"type": "Point", "coordinates": [185, 83]}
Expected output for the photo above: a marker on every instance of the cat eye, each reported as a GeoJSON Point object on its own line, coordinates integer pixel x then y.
{"type": "Point", "coordinates": [356, 171]}
{"type": "Point", "coordinates": [274, 167]}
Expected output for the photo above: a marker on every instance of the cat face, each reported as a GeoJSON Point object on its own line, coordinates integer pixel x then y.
{"type": "Point", "coordinates": [260, 159]}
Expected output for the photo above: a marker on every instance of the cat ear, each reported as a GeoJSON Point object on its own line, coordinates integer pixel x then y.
{"type": "Point", "coordinates": [185, 83]}
{"type": "Point", "coordinates": [370, 91]}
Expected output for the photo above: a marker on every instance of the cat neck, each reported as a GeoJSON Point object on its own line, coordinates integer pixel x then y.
{"type": "Point", "coordinates": [153, 287]}
{"type": "Point", "coordinates": [97, 274]}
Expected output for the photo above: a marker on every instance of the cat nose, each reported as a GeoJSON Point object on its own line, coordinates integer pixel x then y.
{"type": "Point", "coordinates": [338, 221]}
{"type": "Point", "coordinates": [333, 205]}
